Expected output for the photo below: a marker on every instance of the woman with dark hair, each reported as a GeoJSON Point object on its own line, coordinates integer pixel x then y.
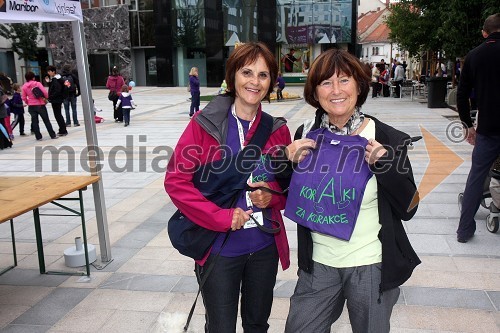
{"type": "Point", "coordinates": [114, 84]}
{"type": "Point", "coordinates": [363, 258]}
{"type": "Point", "coordinates": [247, 261]}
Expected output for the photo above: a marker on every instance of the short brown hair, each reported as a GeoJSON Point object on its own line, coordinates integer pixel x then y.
{"type": "Point", "coordinates": [51, 68]}
{"type": "Point", "coordinates": [335, 61]}
{"type": "Point", "coordinates": [492, 24]}
{"type": "Point", "coordinates": [247, 54]}
{"type": "Point", "coordinates": [125, 88]}
{"type": "Point", "coordinates": [29, 76]}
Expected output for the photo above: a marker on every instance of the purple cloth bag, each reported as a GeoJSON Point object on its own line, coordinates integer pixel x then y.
{"type": "Point", "coordinates": [327, 187]}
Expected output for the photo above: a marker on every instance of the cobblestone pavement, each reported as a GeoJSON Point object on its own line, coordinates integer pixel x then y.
{"type": "Point", "coordinates": [456, 289]}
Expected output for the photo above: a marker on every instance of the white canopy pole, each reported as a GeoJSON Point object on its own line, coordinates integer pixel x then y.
{"type": "Point", "coordinates": [95, 158]}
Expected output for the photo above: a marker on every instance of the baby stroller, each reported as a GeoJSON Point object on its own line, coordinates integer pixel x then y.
{"type": "Point", "coordinates": [491, 197]}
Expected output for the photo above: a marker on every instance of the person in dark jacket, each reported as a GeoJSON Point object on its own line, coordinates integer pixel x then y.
{"type": "Point", "coordinates": [366, 270]}
{"type": "Point", "coordinates": [70, 92]}
{"type": "Point", "coordinates": [481, 72]}
{"type": "Point", "coordinates": [56, 98]}
{"type": "Point", "coordinates": [194, 89]}
{"type": "Point", "coordinates": [247, 263]}
{"type": "Point", "coordinates": [17, 108]}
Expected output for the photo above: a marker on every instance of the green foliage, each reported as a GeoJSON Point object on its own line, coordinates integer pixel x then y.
{"type": "Point", "coordinates": [451, 26]}
{"type": "Point", "coordinates": [24, 37]}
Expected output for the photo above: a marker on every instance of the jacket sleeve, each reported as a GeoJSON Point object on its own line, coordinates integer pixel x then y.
{"type": "Point", "coordinates": [24, 94]}
{"type": "Point", "coordinates": [395, 177]}
{"type": "Point", "coordinates": [108, 83]}
{"type": "Point", "coordinates": [180, 187]}
{"type": "Point", "coordinates": [463, 94]}
{"type": "Point", "coordinates": [278, 201]}
{"type": "Point", "coordinates": [77, 83]}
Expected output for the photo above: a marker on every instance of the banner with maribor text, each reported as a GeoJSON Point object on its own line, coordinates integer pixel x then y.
{"type": "Point", "coordinates": [12, 11]}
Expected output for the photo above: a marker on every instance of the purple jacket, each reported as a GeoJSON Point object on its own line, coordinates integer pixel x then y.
{"type": "Point", "coordinates": [194, 83]}
{"type": "Point", "coordinates": [16, 104]}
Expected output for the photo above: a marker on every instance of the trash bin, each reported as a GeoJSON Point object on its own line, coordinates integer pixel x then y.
{"type": "Point", "coordinates": [436, 92]}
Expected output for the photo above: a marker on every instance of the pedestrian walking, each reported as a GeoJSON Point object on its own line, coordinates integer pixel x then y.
{"type": "Point", "coordinates": [481, 73]}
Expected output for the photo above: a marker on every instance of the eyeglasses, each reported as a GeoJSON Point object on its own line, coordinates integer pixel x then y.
{"type": "Point", "coordinates": [249, 74]}
{"type": "Point", "coordinates": [343, 81]}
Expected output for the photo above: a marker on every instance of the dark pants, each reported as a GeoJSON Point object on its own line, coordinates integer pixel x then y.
{"type": "Point", "coordinates": [279, 93]}
{"type": "Point", "coordinates": [56, 108]}
{"type": "Point", "coordinates": [126, 115]}
{"type": "Point", "coordinates": [195, 103]}
{"type": "Point", "coordinates": [256, 273]}
{"type": "Point", "coordinates": [117, 113]}
{"type": "Point", "coordinates": [70, 101]}
{"type": "Point", "coordinates": [486, 150]}
{"type": "Point", "coordinates": [18, 119]}
{"type": "Point", "coordinates": [40, 110]}
{"type": "Point", "coordinates": [386, 90]}
{"type": "Point", "coordinates": [375, 89]}
{"type": "Point", "coordinates": [398, 88]}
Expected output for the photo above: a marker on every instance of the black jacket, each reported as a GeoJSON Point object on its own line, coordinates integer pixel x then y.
{"type": "Point", "coordinates": [482, 72]}
{"type": "Point", "coordinates": [56, 89]}
{"type": "Point", "coordinates": [396, 189]}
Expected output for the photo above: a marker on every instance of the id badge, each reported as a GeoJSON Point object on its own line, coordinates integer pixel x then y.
{"type": "Point", "coordinates": [251, 224]}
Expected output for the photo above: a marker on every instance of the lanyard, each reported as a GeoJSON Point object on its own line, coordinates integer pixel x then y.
{"type": "Point", "coordinates": [241, 135]}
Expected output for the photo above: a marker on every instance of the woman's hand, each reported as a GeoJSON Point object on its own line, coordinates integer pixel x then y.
{"type": "Point", "coordinates": [260, 198]}
{"type": "Point", "coordinates": [240, 217]}
{"type": "Point", "coordinates": [374, 151]}
{"type": "Point", "coordinates": [299, 149]}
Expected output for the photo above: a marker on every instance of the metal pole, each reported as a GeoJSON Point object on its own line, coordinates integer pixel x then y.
{"type": "Point", "coordinates": [91, 134]}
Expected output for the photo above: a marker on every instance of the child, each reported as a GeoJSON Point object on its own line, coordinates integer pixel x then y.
{"type": "Point", "coordinates": [127, 103]}
{"type": "Point", "coordinates": [17, 109]}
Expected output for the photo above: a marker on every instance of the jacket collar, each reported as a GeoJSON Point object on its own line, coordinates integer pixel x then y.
{"type": "Point", "coordinates": [213, 118]}
{"type": "Point", "coordinates": [384, 133]}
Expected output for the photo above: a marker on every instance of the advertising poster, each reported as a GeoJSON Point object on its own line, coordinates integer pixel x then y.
{"type": "Point", "coordinates": [40, 10]}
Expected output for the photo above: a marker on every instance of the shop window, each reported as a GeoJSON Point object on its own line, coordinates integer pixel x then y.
{"type": "Point", "coordinates": [146, 29]}
{"type": "Point", "coordinates": [145, 4]}
{"type": "Point", "coordinates": [190, 28]}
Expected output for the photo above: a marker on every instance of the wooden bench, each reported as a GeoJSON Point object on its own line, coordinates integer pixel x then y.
{"type": "Point", "coordinates": [19, 195]}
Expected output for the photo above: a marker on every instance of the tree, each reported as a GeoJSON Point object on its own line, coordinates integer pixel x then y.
{"type": "Point", "coordinates": [24, 38]}
{"type": "Point", "coordinates": [451, 26]}
{"type": "Point", "coordinates": [414, 24]}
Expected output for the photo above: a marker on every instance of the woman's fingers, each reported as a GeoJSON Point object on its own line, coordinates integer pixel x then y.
{"type": "Point", "coordinates": [298, 150]}
{"type": "Point", "coordinates": [260, 198]}
{"type": "Point", "coordinates": [374, 151]}
{"type": "Point", "coordinates": [240, 217]}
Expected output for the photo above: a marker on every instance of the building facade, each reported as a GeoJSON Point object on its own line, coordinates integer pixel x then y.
{"type": "Point", "coordinates": [156, 43]}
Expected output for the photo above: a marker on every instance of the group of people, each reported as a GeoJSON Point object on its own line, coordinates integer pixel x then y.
{"type": "Point", "coordinates": [383, 75]}
{"type": "Point", "coordinates": [241, 266]}
{"type": "Point", "coordinates": [352, 249]}
{"type": "Point", "coordinates": [119, 94]}
{"type": "Point", "coordinates": [63, 89]}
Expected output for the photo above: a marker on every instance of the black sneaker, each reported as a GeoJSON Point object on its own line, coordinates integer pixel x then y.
{"type": "Point", "coordinates": [23, 134]}
{"type": "Point", "coordinates": [76, 125]}
{"type": "Point", "coordinates": [62, 134]}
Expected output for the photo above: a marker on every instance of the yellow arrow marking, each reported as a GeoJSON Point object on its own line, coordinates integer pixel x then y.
{"type": "Point", "coordinates": [442, 162]}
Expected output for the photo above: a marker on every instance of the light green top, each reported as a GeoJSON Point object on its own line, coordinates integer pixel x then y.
{"type": "Point", "coordinates": [364, 247]}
